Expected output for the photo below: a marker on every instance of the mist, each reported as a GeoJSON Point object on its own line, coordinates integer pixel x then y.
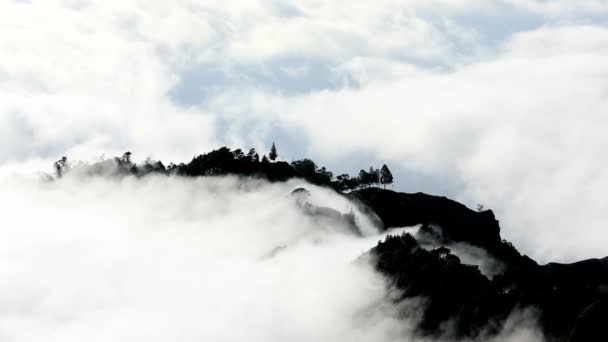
{"type": "Point", "coordinates": [175, 259]}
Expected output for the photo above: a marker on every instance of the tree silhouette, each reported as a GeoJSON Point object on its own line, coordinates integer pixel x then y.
{"type": "Point", "coordinates": [225, 161]}
{"type": "Point", "coordinates": [60, 166]}
{"type": "Point", "coordinates": [364, 178]}
{"type": "Point", "coordinates": [126, 157]}
{"type": "Point", "coordinates": [343, 181]}
{"type": "Point", "coordinates": [322, 176]}
{"type": "Point", "coordinates": [252, 155]}
{"type": "Point", "coordinates": [374, 176]}
{"type": "Point", "coordinates": [273, 152]}
{"type": "Point", "coordinates": [386, 177]}
{"type": "Point", "coordinates": [238, 153]}
{"type": "Point", "coordinates": [305, 167]}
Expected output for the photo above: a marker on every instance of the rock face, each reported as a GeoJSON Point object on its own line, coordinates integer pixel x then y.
{"type": "Point", "coordinates": [570, 300]}
{"type": "Point", "coordinates": [454, 221]}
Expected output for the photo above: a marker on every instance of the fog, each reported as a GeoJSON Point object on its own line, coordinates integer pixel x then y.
{"type": "Point", "coordinates": [174, 259]}
{"type": "Point", "coordinates": [495, 102]}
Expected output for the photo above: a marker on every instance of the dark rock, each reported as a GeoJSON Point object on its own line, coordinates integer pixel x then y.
{"type": "Point", "coordinates": [463, 303]}
{"type": "Point", "coordinates": [454, 222]}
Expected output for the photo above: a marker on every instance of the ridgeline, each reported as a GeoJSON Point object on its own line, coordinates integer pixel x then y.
{"type": "Point", "coordinates": [570, 301]}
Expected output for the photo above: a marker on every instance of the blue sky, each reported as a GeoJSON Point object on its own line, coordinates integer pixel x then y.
{"type": "Point", "coordinates": [497, 102]}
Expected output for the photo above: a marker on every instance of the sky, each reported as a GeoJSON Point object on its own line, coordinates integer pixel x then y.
{"type": "Point", "coordinates": [499, 102]}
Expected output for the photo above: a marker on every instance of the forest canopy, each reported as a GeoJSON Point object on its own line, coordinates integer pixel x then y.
{"type": "Point", "coordinates": [225, 161]}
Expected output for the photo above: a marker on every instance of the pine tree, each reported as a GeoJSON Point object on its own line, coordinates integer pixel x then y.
{"type": "Point", "coordinates": [273, 153]}
{"type": "Point", "coordinates": [386, 177]}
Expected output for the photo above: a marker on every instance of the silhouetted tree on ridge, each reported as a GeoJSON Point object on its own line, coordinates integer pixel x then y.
{"type": "Point", "coordinates": [386, 177]}
{"type": "Point", "coordinates": [570, 297]}
{"type": "Point", "coordinates": [224, 161]}
{"type": "Point", "coordinates": [126, 157]}
{"type": "Point", "coordinates": [60, 166]}
{"type": "Point", "coordinates": [374, 176]}
{"type": "Point", "coordinates": [273, 152]}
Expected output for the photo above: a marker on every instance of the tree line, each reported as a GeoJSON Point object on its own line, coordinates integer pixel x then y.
{"type": "Point", "coordinates": [224, 161]}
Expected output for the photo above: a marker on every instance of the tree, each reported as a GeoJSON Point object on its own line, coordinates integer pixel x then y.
{"type": "Point", "coordinates": [238, 154]}
{"type": "Point", "coordinates": [273, 152]}
{"type": "Point", "coordinates": [374, 176]}
{"type": "Point", "coordinates": [441, 252]}
{"type": "Point", "coordinates": [353, 183]}
{"type": "Point", "coordinates": [265, 160]}
{"type": "Point", "coordinates": [364, 178]}
{"type": "Point", "coordinates": [343, 177]}
{"type": "Point", "coordinates": [171, 167]}
{"type": "Point", "coordinates": [252, 155]}
{"type": "Point", "coordinates": [322, 176]}
{"type": "Point", "coordinates": [305, 167]}
{"type": "Point", "coordinates": [126, 157]}
{"type": "Point", "coordinates": [342, 181]}
{"type": "Point", "coordinates": [60, 166]}
{"type": "Point", "coordinates": [386, 177]}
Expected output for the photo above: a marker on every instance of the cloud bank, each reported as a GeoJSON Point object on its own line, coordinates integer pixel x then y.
{"type": "Point", "coordinates": [499, 102]}
{"type": "Point", "coordinates": [166, 258]}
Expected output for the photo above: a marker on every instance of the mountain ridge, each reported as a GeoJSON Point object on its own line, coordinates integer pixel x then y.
{"type": "Point", "coordinates": [461, 302]}
{"type": "Point", "coordinates": [474, 305]}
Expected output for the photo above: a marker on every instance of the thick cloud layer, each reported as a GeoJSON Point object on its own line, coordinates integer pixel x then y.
{"type": "Point", "coordinates": [170, 259]}
{"type": "Point", "coordinates": [501, 102]}
{"type": "Point", "coordinates": [523, 134]}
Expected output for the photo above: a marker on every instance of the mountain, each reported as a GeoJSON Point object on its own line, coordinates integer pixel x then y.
{"type": "Point", "coordinates": [461, 302]}
{"type": "Point", "coordinates": [471, 299]}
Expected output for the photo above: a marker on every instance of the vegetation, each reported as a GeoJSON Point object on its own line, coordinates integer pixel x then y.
{"type": "Point", "coordinates": [224, 161]}
{"type": "Point", "coordinates": [461, 303]}
{"type": "Point", "coordinates": [273, 152]}
{"type": "Point", "coordinates": [60, 166]}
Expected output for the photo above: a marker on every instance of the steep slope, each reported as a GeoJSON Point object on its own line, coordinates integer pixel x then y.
{"type": "Point", "coordinates": [569, 299]}
{"type": "Point", "coordinates": [446, 220]}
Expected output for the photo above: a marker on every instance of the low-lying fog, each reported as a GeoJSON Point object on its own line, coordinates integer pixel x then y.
{"type": "Point", "coordinates": [173, 259]}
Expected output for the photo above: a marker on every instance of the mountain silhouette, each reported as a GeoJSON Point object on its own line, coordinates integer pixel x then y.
{"type": "Point", "coordinates": [570, 301]}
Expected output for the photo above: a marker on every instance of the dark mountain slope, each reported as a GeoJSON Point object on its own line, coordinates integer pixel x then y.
{"type": "Point", "coordinates": [445, 220]}
{"type": "Point", "coordinates": [570, 299]}
{"type": "Point", "coordinates": [461, 302]}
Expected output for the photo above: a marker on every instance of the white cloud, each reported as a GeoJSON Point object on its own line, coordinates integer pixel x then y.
{"type": "Point", "coordinates": [76, 82]}
{"type": "Point", "coordinates": [562, 8]}
{"type": "Point", "coordinates": [523, 130]}
{"type": "Point", "coordinates": [518, 125]}
{"type": "Point", "coordinates": [166, 258]}
{"type": "Point", "coordinates": [173, 259]}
